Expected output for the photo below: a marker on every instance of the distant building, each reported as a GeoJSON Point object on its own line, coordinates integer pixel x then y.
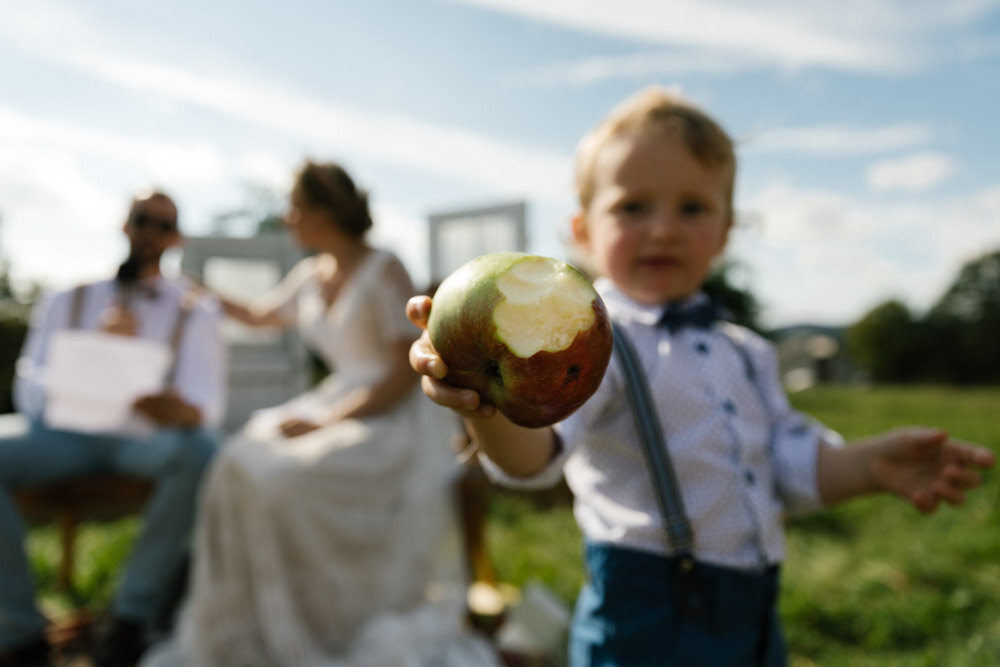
{"type": "Point", "coordinates": [809, 355]}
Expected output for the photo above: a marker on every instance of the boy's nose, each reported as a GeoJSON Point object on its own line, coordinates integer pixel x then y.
{"type": "Point", "coordinates": [663, 223]}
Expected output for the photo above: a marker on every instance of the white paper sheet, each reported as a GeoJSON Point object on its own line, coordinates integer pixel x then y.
{"type": "Point", "coordinates": [92, 379]}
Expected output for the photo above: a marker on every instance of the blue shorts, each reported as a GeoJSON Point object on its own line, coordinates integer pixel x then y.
{"type": "Point", "coordinates": [637, 611]}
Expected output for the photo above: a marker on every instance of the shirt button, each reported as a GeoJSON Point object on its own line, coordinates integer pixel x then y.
{"type": "Point", "coordinates": [749, 477]}
{"type": "Point", "coordinates": [702, 347]}
{"type": "Point", "coordinates": [729, 407]}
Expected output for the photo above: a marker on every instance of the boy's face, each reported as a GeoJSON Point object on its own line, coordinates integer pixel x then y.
{"type": "Point", "coordinates": [657, 218]}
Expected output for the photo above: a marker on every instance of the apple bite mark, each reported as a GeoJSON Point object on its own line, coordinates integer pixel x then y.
{"type": "Point", "coordinates": [544, 307]}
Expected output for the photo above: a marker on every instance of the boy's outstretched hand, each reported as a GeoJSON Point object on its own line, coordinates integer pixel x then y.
{"type": "Point", "coordinates": [425, 361]}
{"type": "Point", "coordinates": [921, 465]}
{"type": "Point", "coordinates": [926, 467]}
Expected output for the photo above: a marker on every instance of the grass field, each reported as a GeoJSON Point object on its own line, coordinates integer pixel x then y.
{"type": "Point", "coordinates": [870, 583]}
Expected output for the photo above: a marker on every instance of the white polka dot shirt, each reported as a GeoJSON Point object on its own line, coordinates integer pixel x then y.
{"type": "Point", "coordinates": [743, 458]}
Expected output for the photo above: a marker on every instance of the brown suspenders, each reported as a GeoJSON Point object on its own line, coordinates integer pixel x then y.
{"type": "Point", "coordinates": [187, 304]}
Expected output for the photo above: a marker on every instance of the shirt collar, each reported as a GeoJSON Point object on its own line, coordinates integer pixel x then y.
{"type": "Point", "coordinates": [624, 309]}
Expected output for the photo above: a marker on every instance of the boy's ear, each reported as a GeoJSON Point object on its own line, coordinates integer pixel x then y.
{"type": "Point", "coordinates": [581, 235]}
{"type": "Point", "coordinates": [725, 236]}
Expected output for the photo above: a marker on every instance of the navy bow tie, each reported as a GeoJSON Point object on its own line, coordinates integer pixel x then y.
{"type": "Point", "coordinates": [700, 316]}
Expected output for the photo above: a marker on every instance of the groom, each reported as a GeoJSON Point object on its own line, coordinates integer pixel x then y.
{"type": "Point", "coordinates": [178, 442]}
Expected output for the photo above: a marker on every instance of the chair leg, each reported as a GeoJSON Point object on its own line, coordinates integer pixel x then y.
{"type": "Point", "coordinates": [67, 536]}
{"type": "Point", "coordinates": [473, 494]}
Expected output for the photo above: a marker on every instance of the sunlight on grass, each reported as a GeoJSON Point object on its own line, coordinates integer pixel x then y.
{"type": "Point", "coordinates": [872, 583]}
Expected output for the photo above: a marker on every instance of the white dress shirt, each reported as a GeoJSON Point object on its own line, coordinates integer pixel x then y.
{"type": "Point", "coordinates": [743, 458]}
{"type": "Point", "coordinates": [200, 375]}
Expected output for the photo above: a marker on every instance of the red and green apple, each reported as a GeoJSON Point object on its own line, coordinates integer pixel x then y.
{"type": "Point", "coordinates": [528, 333]}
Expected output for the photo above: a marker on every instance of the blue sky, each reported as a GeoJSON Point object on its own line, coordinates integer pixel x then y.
{"type": "Point", "coordinates": [867, 130]}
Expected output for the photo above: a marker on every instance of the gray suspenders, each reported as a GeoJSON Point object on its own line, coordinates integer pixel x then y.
{"type": "Point", "coordinates": [688, 594]}
{"type": "Point", "coordinates": [186, 306]}
{"type": "Point", "coordinates": [647, 424]}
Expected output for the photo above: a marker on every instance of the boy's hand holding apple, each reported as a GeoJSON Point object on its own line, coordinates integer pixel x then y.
{"type": "Point", "coordinates": [524, 333]}
{"type": "Point", "coordinates": [425, 360]}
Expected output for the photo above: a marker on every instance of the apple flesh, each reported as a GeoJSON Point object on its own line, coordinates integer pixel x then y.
{"type": "Point", "coordinates": [528, 333]}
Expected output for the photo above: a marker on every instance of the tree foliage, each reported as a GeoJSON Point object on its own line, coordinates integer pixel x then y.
{"type": "Point", "coordinates": [884, 342]}
{"type": "Point", "coordinates": [957, 341]}
{"type": "Point", "coordinates": [740, 302]}
{"type": "Point", "coordinates": [262, 212]}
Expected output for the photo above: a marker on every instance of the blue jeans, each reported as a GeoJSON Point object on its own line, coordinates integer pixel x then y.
{"type": "Point", "coordinates": [173, 458]}
{"type": "Point", "coordinates": [633, 613]}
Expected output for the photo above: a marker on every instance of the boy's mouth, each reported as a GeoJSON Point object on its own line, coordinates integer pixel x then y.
{"type": "Point", "coordinates": [659, 262]}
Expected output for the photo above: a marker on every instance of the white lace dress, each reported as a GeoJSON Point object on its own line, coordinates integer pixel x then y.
{"type": "Point", "coordinates": [336, 548]}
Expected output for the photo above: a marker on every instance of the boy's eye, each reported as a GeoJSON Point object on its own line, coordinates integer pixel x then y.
{"type": "Point", "coordinates": [692, 208]}
{"type": "Point", "coordinates": [633, 207]}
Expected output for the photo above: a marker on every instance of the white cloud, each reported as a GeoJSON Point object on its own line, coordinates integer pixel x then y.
{"type": "Point", "coordinates": [58, 33]}
{"type": "Point", "coordinates": [776, 32]}
{"type": "Point", "coordinates": [789, 215]}
{"type": "Point", "coordinates": [914, 173]}
{"type": "Point", "coordinates": [838, 139]}
{"type": "Point", "coordinates": [169, 161]}
{"type": "Point", "coordinates": [824, 257]}
{"type": "Point", "coordinates": [850, 35]}
{"type": "Point", "coordinates": [989, 199]}
{"type": "Point", "coordinates": [635, 66]}
{"type": "Point", "coordinates": [387, 137]}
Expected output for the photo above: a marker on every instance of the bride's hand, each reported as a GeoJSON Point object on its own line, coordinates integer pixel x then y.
{"type": "Point", "coordinates": [294, 427]}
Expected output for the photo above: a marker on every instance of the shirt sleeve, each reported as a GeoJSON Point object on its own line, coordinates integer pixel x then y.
{"type": "Point", "coordinates": [29, 392]}
{"type": "Point", "coordinates": [568, 432]}
{"type": "Point", "coordinates": [202, 362]}
{"type": "Point", "coordinates": [391, 289]}
{"type": "Point", "coordinates": [796, 440]}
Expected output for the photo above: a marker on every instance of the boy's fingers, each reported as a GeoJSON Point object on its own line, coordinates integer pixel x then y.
{"type": "Point", "coordinates": [964, 477]}
{"type": "Point", "coordinates": [951, 494]}
{"type": "Point", "coordinates": [464, 401]}
{"type": "Point", "coordinates": [424, 360]}
{"type": "Point", "coordinates": [418, 309]}
{"type": "Point", "coordinates": [978, 456]}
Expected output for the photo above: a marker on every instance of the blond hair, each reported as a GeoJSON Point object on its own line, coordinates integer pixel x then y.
{"type": "Point", "coordinates": [656, 106]}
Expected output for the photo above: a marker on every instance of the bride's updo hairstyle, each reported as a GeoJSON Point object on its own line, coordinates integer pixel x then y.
{"type": "Point", "coordinates": [327, 185]}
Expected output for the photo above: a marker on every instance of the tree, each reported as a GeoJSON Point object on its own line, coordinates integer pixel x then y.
{"type": "Point", "coordinates": [739, 301]}
{"type": "Point", "coordinates": [965, 324]}
{"type": "Point", "coordinates": [957, 341]}
{"type": "Point", "coordinates": [13, 328]}
{"type": "Point", "coordinates": [886, 343]}
{"type": "Point", "coordinates": [262, 213]}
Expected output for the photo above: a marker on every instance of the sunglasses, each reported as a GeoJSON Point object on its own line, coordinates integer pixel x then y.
{"type": "Point", "coordinates": [142, 221]}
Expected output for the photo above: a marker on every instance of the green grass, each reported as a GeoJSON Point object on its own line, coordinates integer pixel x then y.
{"type": "Point", "coordinates": [869, 583]}
{"type": "Point", "coordinates": [100, 548]}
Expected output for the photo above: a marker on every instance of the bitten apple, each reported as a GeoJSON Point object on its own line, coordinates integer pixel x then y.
{"type": "Point", "coordinates": [528, 333]}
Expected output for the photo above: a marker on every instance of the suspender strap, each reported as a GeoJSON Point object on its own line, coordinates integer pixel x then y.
{"type": "Point", "coordinates": [76, 306]}
{"type": "Point", "coordinates": [647, 423]}
{"type": "Point", "coordinates": [187, 304]}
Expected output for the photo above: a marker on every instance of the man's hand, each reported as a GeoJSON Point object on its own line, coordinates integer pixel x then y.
{"type": "Point", "coordinates": [168, 409]}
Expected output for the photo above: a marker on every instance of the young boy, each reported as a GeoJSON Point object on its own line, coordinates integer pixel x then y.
{"type": "Point", "coordinates": [655, 185]}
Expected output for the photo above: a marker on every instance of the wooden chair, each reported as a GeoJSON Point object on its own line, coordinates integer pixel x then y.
{"type": "Point", "coordinates": [70, 502]}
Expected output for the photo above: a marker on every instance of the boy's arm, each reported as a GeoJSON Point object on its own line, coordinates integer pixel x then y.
{"type": "Point", "coordinates": [922, 465]}
{"type": "Point", "coordinates": [519, 451]}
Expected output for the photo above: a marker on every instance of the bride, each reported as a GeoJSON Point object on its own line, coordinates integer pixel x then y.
{"type": "Point", "coordinates": [324, 536]}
